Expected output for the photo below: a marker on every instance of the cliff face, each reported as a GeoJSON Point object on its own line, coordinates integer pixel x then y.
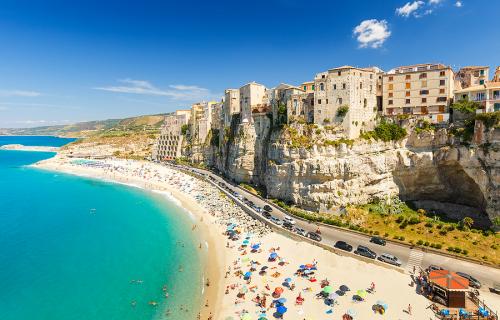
{"type": "Point", "coordinates": [427, 168]}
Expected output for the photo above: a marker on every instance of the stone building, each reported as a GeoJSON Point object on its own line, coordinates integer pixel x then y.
{"type": "Point", "coordinates": [471, 76]}
{"type": "Point", "coordinates": [424, 91]}
{"type": "Point", "coordinates": [251, 97]}
{"type": "Point", "coordinates": [300, 106]}
{"type": "Point", "coordinates": [496, 76]}
{"type": "Point", "coordinates": [231, 105]}
{"type": "Point", "coordinates": [204, 124]}
{"type": "Point", "coordinates": [346, 97]}
{"type": "Point", "coordinates": [169, 143]}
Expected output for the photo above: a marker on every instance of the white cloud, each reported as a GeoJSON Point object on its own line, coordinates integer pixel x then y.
{"type": "Point", "coordinates": [435, 1]}
{"type": "Point", "coordinates": [459, 4]}
{"type": "Point", "coordinates": [372, 33]}
{"type": "Point", "coordinates": [176, 92]}
{"type": "Point", "coordinates": [409, 8]}
{"type": "Point", "coordinates": [19, 93]}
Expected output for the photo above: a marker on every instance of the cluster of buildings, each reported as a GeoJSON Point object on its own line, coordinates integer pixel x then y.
{"type": "Point", "coordinates": [346, 98]}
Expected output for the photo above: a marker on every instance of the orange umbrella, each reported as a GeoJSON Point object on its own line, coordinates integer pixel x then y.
{"type": "Point", "coordinates": [278, 290]}
{"type": "Point", "coordinates": [448, 280]}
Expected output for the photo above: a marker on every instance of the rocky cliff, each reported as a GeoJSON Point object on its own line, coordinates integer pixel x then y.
{"type": "Point", "coordinates": [300, 164]}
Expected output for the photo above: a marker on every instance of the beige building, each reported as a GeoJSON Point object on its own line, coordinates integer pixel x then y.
{"type": "Point", "coordinates": [488, 95]}
{"type": "Point", "coordinates": [423, 90]}
{"type": "Point", "coordinates": [471, 76]}
{"type": "Point", "coordinates": [169, 143]}
{"type": "Point", "coordinates": [300, 105]}
{"type": "Point", "coordinates": [496, 76]}
{"type": "Point", "coordinates": [204, 123]}
{"type": "Point", "coordinates": [217, 116]}
{"type": "Point", "coordinates": [251, 97]}
{"type": "Point", "coordinates": [346, 88]}
{"type": "Point", "coordinates": [231, 105]}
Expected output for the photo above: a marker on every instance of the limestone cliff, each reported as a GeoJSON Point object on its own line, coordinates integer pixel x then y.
{"type": "Point", "coordinates": [429, 168]}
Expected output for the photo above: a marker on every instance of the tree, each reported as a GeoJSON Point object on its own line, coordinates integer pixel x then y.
{"type": "Point", "coordinates": [467, 222]}
{"type": "Point", "coordinates": [342, 111]}
{"type": "Point", "coordinates": [466, 106]}
{"type": "Point", "coordinates": [184, 129]}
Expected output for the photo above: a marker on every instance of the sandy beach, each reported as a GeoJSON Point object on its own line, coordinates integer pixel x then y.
{"type": "Point", "coordinates": [251, 276]}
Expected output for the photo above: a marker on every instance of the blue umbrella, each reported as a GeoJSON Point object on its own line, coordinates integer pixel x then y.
{"type": "Point", "coordinates": [256, 246]}
{"type": "Point", "coordinates": [273, 255]}
{"type": "Point", "coordinates": [302, 266]}
{"type": "Point", "coordinates": [248, 274]}
{"type": "Point", "coordinates": [281, 309]}
{"type": "Point", "coordinates": [282, 300]}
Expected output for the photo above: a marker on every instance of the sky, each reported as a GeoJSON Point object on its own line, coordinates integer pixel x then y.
{"type": "Point", "coordinates": [69, 61]}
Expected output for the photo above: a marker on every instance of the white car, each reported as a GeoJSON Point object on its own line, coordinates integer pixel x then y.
{"type": "Point", "coordinates": [389, 258]}
{"type": "Point", "coordinates": [289, 219]}
{"type": "Point", "coordinates": [277, 221]}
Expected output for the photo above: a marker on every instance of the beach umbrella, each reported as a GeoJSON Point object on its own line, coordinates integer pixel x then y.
{"type": "Point", "coordinates": [256, 246]}
{"type": "Point", "coordinates": [302, 266]}
{"type": "Point", "coordinates": [246, 316]}
{"type": "Point", "coordinates": [247, 274]}
{"type": "Point", "coordinates": [288, 280]}
{"type": "Point", "coordinates": [282, 300]}
{"type": "Point", "coordinates": [333, 296]}
{"type": "Point", "coordinates": [281, 309]}
{"type": "Point", "coordinates": [328, 289]}
{"type": "Point", "coordinates": [351, 312]}
{"type": "Point", "coordinates": [344, 288]}
{"type": "Point", "coordinates": [273, 256]}
{"type": "Point", "coordinates": [264, 268]}
{"type": "Point", "coordinates": [382, 304]}
{"type": "Point", "coordinates": [262, 318]}
{"type": "Point", "coordinates": [362, 293]}
{"type": "Point", "coordinates": [245, 260]}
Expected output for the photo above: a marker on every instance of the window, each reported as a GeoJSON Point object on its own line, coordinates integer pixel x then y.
{"type": "Point", "coordinates": [407, 110]}
{"type": "Point", "coordinates": [391, 94]}
{"type": "Point", "coordinates": [343, 86]}
{"type": "Point", "coordinates": [305, 88]}
{"type": "Point", "coordinates": [361, 85]}
{"type": "Point", "coordinates": [441, 74]}
{"type": "Point", "coordinates": [371, 88]}
{"type": "Point", "coordinates": [441, 91]}
{"type": "Point", "coordinates": [481, 81]}
{"type": "Point", "coordinates": [313, 87]}
{"type": "Point", "coordinates": [322, 76]}
{"type": "Point", "coordinates": [407, 93]}
{"type": "Point", "coordinates": [371, 76]}
{"type": "Point", "coordinates": [424, 100]}
{"type": "Point", "coordinates": [441, 99]}
{"type": "Point", "coordinates": [407, 101]}
{"type": "Point", "coordinates": [365, 103]}
{"type": "Point", "coordinates": [339, 100]}
{"type": "Point", "coordinates": [424, 83]}
{"type": "Point", "coordinates": [326, 101]}
{"type": "Point", "coordinates": [334, 87]}
{"type": "Point", "coordinates": [319, 101]}
{"type": "Point", "coordinates": [408, 77]}
{"type": "Point", "coordinates": [339, 73]}
{"type": "Point", "coordinates": [322, 87]}
{"type": "Point", "coordinates": [390, 110]}
{"type": "Point", "coordinates": [442, 82]}
{"type": "Point", "coordinates": [422, 76]}
{"type": "Point", "coordinates": [391, 78]}
{"type": "Point", "coordinates": [390, 102]}
{"type": "Point", "coordinates": [408, 85]}
{"type": "Point", "coordinates": [481, 72]}
{"type": "Point", "coordinates": [391, 86]}
{"type": "Point", "coordinates": [422, 92]}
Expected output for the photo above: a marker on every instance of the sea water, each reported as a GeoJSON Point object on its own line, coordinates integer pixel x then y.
{"type": "Point", "coordinates": [78, 248]}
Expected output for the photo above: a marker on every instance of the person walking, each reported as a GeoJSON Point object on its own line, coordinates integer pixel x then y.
{"type": "Point", "coordinates": [409, 309]}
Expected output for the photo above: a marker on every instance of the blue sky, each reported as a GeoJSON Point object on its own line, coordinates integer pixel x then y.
{"type": "Point", "coordinates": [69, 61]}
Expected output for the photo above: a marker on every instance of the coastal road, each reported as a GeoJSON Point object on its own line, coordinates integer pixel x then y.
{"type": "Point", "coordinates": [330, 235]}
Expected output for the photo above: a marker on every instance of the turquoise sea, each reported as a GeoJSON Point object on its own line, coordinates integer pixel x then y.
{"type": "Point", "coordinates": [74, 248]}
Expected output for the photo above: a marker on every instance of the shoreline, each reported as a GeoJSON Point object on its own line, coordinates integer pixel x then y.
{"type": "Point", "coordinates": [21, 147]}
{"type": "Point", "coordinates": [213, 257]}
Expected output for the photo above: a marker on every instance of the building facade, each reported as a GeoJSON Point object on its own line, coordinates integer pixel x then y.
{"type": "Point", "coordinates": [231, 105]}
{"type": "Point", "coordinates": [487, 95]}
{"type": "Point", "coordinates": [169, 143]}
{"type": "Point", "coordinates": [424, 91]}
{"type": "Point", "coordinates": [346, 88]}
{"type": "Point", "coordinates": [471, 76]}
{"type": "Point", "coordinates": [251, 97]}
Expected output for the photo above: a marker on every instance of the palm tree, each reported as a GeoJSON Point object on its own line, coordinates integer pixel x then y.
{"type": "Point", "coordinates": [467, 222]}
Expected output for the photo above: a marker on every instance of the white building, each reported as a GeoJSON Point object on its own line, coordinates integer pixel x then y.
{"type": "Point", "coordinates": [169, 143]}
{"type": "Point", "coordinates": [251, 97]}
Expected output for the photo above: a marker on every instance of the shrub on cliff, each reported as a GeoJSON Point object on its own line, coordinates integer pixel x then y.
{"type": "Point", "coordinates": [342, 111]}
{"type": "Point", "coordinates": [390, 132]}
{"type": "Point", "coordinates": [466, 106]}
{"type": "Point", "coordinates": [490, 119]}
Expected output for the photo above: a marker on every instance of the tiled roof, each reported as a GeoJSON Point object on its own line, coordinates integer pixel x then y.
{"type": "Point", "coordinates": [448, 280]}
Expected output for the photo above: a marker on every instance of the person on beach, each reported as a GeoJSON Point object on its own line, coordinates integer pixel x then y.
{"type": "Point", "coordinates": [409, 309]}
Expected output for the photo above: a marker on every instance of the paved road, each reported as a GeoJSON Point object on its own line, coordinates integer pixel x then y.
{"type": "Point", "coordinates": [409, 257]}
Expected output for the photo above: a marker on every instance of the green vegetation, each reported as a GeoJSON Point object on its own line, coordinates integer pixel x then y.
{"type": "Point", "coordinates": [337, 143]}
{"type": "Point", "coordinates": [465, 106]}
{"type": "Point", "coordinates": [184, 129]}
{"type": "Point", "coordinates": [342, 111]}
{"type": "Point", "coordinates": [424, 125]}
{"type": "Point", "coordinates": [396, 220]}
{"type": "Point", "coordinates": [490, 119]}
{"type": "Point", "coordinates": [386, 132]}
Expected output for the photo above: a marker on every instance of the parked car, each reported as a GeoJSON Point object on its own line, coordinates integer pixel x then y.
{"type": "Point", "coordinates": [266, 215]}
{"type": "Point", "coordinates": [473, 282]}
{"type": "Point", "coordinates": [389, 258]}
{"type": "Point", "coordinates": [289, 219]}
{"type": "Point", "coordinates": [378, 240]}
{"type": "Point", "coordinates": [277, 221]}
{"type": "Point", "coordinates": [300, 231]}
{"type": "Point", "coordinates": [365, 252]}
{"type": "Point", "coordinates": [258, 209]}
{"type": "Point", "coordinates": [342, 245]}
{"type": "Point", "coordinates": [268, 208]}
{"type": "Point", "coordinates": [287, 225]}
{"type": "Point", "coordinates": [314, 236]}
{"type": "Point", "coordinates": [433, 267]}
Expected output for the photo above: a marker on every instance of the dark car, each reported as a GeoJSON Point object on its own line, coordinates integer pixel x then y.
{"type": "Point", "coordinates": [378, 241]}
{"type": "Point", "coordinates": [365, 252]}
{"type": "Point", "coordinates": [342, 245]}
{"type": "Point", "coordinates": [266, 215]}
{"type": "Point", "coordinates": [287, 225]}
{"type": "Point", "coordinates": [268, 208]}
{"type": "Point", "coordinates": [314, 236]}
{"type": "Point", "coordinates": [433, 267]}
{"type": "Point", "coordinates": [473, 282]}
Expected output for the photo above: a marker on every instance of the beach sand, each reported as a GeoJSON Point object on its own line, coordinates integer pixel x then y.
{"type": "Point", "coordinates": [230, 260]}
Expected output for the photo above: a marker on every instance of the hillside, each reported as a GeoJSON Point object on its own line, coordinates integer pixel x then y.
{"type": "Point", "coordinates": [110, 127]}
